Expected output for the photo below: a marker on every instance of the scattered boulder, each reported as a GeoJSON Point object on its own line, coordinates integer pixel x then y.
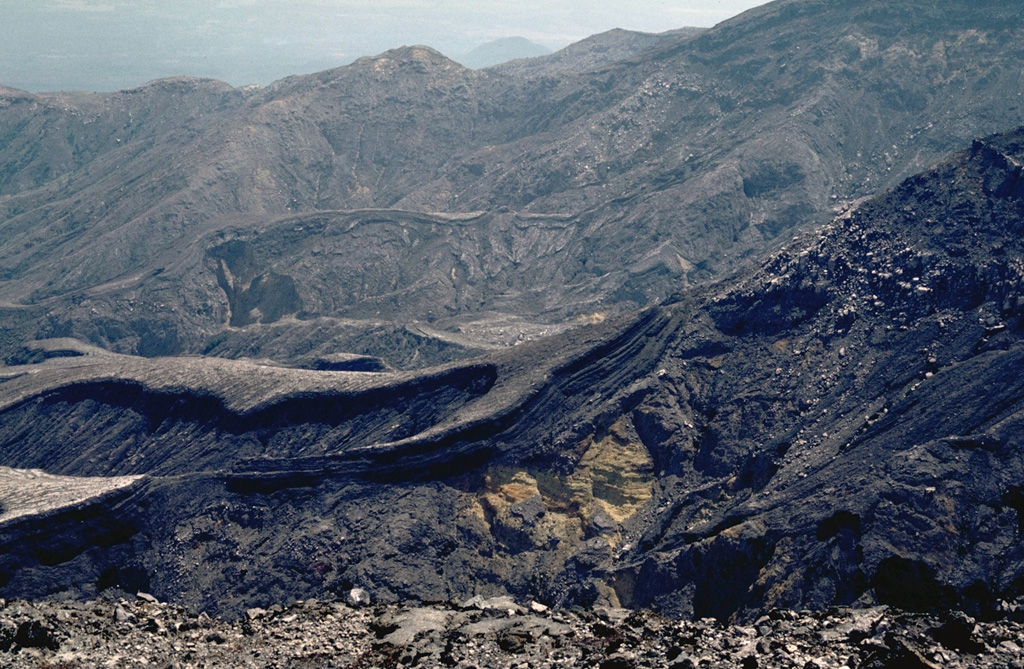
{"type": "Point", "coordinates": [146, 597]}
{"type": "Point", "coordinates": [36, 634]}
{"type": "Point", "coordinates": [358, 597]}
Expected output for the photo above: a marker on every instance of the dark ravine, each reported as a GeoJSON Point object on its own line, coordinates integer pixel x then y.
{"type": "Point", "coordinates": [837, 427]}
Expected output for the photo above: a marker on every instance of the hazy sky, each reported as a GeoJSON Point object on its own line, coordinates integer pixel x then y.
{"type": "Point", "coordinates": [111, 44]}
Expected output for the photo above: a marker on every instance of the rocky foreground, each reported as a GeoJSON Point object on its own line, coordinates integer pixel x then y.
{"type": "Point", "coordinates": [493, 633]}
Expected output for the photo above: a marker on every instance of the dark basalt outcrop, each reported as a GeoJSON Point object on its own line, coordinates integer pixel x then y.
{"type": "Point", "coordinates": [862, 409]}
{"type": "Point", "coordinates": [840, 426]}
{"type": "Point", "coordinates": [326, 213]}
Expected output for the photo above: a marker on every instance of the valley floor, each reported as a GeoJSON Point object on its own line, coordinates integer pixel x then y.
{"type": "Point", "coordinates": [495, 633]}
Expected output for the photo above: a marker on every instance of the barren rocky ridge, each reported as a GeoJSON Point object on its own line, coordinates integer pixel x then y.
{"type": "Point", "coordinates": [387, 391]}
{"type": "Point", "coordinates": [332, 210]}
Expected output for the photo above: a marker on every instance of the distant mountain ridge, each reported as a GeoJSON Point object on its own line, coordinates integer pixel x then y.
{"type": "Point", "coordinates": [501, 51]}
{"type": "Point", "coordinates": [595, 51]}
{"type": "Point", "coordinates": [554, 199]}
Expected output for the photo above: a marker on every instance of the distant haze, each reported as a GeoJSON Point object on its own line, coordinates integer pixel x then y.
{"type": "Point", "coordinates": [500, 51]}
{"type": "Point", "coordinates": [106, 45]}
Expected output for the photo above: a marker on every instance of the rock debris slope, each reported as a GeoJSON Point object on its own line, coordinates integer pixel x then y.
{"type": "Point", "coordinates": [840, 426]}
{"type": "Point", "coordinates": [494, 633]}
{"type": "Point", "coordinates": [339, 211]}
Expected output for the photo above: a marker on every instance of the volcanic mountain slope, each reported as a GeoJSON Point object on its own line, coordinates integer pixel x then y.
{"type": "Point", "coordinates": [841, 426]}
{"type": "Point", "coordinates": [593, 52]}
{"type": "Point", "coordinates": [327, 212]}
{"type": "Point", "coordinates": [860, 409]}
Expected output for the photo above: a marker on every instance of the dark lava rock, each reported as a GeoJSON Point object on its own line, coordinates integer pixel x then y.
{"type": "Point", "coordinates": [35, 634]}
{"type": "Point", "coordinates": [957, 633]}
{"type": "Point", "coordinates": [618, 662]}
{"type": "Point", "coordinates": [320, 633]}
{"type": "Point", "coordinates": [331, 634]}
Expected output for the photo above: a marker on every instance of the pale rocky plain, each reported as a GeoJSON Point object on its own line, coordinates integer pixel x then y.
{"type": "Point", "coordinates": [681, 350]}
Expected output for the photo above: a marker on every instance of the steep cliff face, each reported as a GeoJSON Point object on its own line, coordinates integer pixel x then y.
{"type": "Point", "coordinates": [277, 481]}
{"type": "Point", "coordinates": [858, 413]}
{"type": "Point", "coordinates": [839, 426]}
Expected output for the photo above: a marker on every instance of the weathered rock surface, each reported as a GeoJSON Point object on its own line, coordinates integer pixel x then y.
{"type": "Point", "coordinates": [34, 492]}
{"type": "Point", "coordinates": [142, 632]}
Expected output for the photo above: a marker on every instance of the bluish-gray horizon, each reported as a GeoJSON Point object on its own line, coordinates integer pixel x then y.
{"type": "Point", "coordinates": [105, 45]}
